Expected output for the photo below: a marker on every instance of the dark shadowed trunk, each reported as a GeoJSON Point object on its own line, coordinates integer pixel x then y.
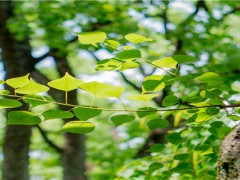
{"type": "Point", "coordinates": [229, 158]}
{"type": "Point", "coordinates": [17, 60]}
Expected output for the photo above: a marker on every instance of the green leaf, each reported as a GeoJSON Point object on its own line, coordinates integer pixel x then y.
{"type": "Point", "coordinates": [22, 118]}
{"type": "Point", "coordinates": [155, 166]}
{"type": "Point", "coordinates": [80, 127]}
{"type": "Point", "coordinates": [170, 100]}
{"type": "Point", "coordinates": [121, 119]}
{"type": "Point", "coordinates": [32, 88]}
{"type": "Point", "coordinates": [157, 123]}
{"type": "Point", "coordinates": [54, 114]}
{"type": "Point", "coordinates": [200, 117]}
{"type": "Point", "coordinates": [102, 89]}
{"type": "Point", "coordinates": [136, 38]}
{"type": "Point", "coordinates": [142, 97]}
{"type": "Point", "coordinates": [212, 111]}
{"type": "Point", "coordinates": [204, 149]}
{"type": "Point", "coordinates": [85, 113]}
{"type": "Point", "coordinates": [181, 157]}
{"type": "Point", "coordinates": [18, 81]}
{"type": "Point", "coordinates": [92, 37]}
{"type": "Point", "coordinates": [4, 92]}
{"type": "Point", "coordinates": [146, 111]}
{"type": "Point", "coordinates": [209, 78]}
{"type": "Point", "coordinates": [174, 138]}
{"type": "Point", "coordinates": [36, 100]}
{"type": "Point", "coordinates": [152, 86]}
{"type": "Point", "coordinates": [167, 62]}
{"type": "Point", "coordinates": [111, 44]}
{"type": "Point", "coordinates": [2, 81]}
{"type": "Point", "coordinates": [66, 83]}
{"type": "Point", "coordinates": [108, 65]}
{"type": "Point", "coordinates": [156, 147]}
{"type": "Point", "coordinates": [9, 103]}
{"type": "Point", "coordinates": [183, 58]}
{"type": "Point", "coordinates": [129, 54]}
{"type": "Point", "coordinates": [129, 65]}
{"type": "Point", "coordinates": [234, 117]}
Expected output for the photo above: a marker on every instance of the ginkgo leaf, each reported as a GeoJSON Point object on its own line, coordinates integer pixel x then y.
{"type": "Point", "coordinates": [56, 113]}
{"type": "Point", "coordinates": [80, 127]}
{"type": "Point", "coordinates": [152, 86]}
{"type": "Point", "coordinates": [66, 83]}
{"type": "Point", "coordinates": [167, 62]}
{"type": "Point", "coordinates": [209, 78]}
{"type": "Point", "coordinates": [32, 88]}
{"type": "Point", "coordinates": [129, 65]}
{"type": "Point", "coordinates": [129, 54]}
{"type": "Point", "coordinates": [85, 113]}
{"type": "Point", "coordinates": [142, 97]}
{"type": "Point", "coordinates": [136, 38]}
{"type": "Point", "coordinates": [18, 81]}
{"type": "Point", "coordinates": [111, 44]}
{"type": "Point", "coordinates": [22, 118]}
{"type": "Point", "coordinates": [121, 119]}
{"type": "Point", "coordinates": [9, 103]}
{"type": "Point", "coordinates": [102, 89]}
{"type": "Point", "coordinates": [92, 37]}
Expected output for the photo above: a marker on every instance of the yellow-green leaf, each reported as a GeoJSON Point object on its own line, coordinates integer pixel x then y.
{"type": "Point", "coordinates": [22, 118]}
{"type": "Point", "coordinates": [92, 37]}
{"type": "Point", "coordinates": [80, 127]}
{"type": "Point", "coordinates": [66, 83]}
{"type": "Point", "coordinates": [9, 103]}
{"type": "Point", "coordinates": [167, 62]}
{"type": "Point", "coordinates": [136, 38]}
{"type": "Point", "coordinates": [18, 81]}
{"type": "Point", "coordinates": [142, 97]}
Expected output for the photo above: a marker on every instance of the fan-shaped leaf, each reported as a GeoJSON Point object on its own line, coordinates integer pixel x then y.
{"type": "Point", "coordinates": [184, 58]}
{"type": "Point", "coordinates": [22, 118]}
{"type": "Point", "coordinates": [9, 103]}
{"type": "Point", "coordinates": [66, 83]}
{"type": "Point", "coordinates": [102, 89]}
{"type": "Point", "coordinates": [36, 100]}
{"type": "Point", "coordinates": [85, 113]}
{"type": "Point", "coordinates": [209, 78]}
{"type": "Point", "coordinates": [53, 114]}
{"type": "Point", "coordinates": [111, 44]}
{"type": "Point", "coordinates": [92, 37]}
{"type": "Point", "coordinates": [32, 88]}
{"type": "Point", "coordinates": [108, 65]}
{"type": "Point", "coordinates": [129, 65]}
{"type": "Point", "coordinates": [167, 62]}
{"type": "Point", "coordinates": [152, 86]}
{"type": "Point", "coordinates": [80, 127]}
{"type": "Point", "coordinates": [136, 38]}
{"type": "Point", "coordinates": [18, 81]}
{"type": "Point", "coordinates": [121, 119]}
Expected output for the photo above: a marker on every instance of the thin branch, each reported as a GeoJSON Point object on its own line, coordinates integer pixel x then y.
{"type": "Point", "coordinates": [48, 141]}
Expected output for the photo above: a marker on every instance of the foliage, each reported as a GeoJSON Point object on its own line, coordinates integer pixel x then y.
{"type": "Point", "coordinates": [200, 110]}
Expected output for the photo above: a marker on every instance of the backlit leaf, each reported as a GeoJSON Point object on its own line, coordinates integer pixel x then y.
{"type": "Point", "coordinates": [129, 65]}
{"type": "Point", "coordinates": [18, 81]}
{"type": "Point", "coordinates": [121, 119]}
{"type": "Point", "coordinates": [136, 38]}
{"type": "Point", "coordinates": [170, 100]}
{"type": "Point", "coordinates": [85, 113]}
{"type": "Point", "coordinates": [9, 103]}
{"type": "Point", "coordinates": [183, 58]}
{"type": "Point", "coordinates": [108, 65]}
{"type": "Point", "coordinates": [209, 78]}
{"type": "Point", "coordinates": [129, 54]}
{"type": "Point", "coordinates": [102, 89]}
{"type": "Point", "coordinates": [32, 88]}
{"type": "Point", "coordinates": [80, 127]}
{"type": "Point", "coordinates": [22, 118]}
{"type": "Point", "coordinates": [167, 62]}
{"type": "Point", "coordinates": [36, 100]}
{"type": "Point", "coordinates": [66, 83]}
{"type": "Point", "coordinates": [204, 149]}
{"type": "Point", "coordinates": [92, 37]}
{"type": "Point", "coordinates": [56, 113]}
{"type": "Point", "coordinates": [111, 44]}
{"type": "Point", "coordinates": [152, 86]}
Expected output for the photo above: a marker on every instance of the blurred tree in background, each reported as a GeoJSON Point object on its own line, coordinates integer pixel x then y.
{"type": "Point", "coordinates": [40, 38]}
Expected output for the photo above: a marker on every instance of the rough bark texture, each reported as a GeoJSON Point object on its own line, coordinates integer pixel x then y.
{"type": "Point", "coordinates": [229, 159]}
{"type": "Point", "coordinates": [74, 153]}
{"type": "Point", "coordinates": [17, 60]}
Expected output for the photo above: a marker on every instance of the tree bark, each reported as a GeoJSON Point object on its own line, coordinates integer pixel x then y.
{"type": "Point", "coordinates": [229, 158]}
{"type": "Point", "coordinates": [17, 60]}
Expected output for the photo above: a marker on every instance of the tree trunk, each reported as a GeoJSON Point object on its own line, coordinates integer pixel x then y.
{"type": "Point", "coordinates": [74, 153]}
{"type": "Point", "coordinates": [229, 158]}
{"type": "Point", "coordinates": [17, 60]}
